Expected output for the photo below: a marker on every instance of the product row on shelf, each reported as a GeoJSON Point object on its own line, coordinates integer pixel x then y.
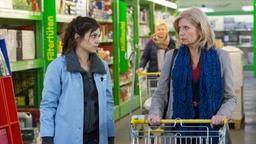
{"type": "Point", "coordinates": [236, 31]}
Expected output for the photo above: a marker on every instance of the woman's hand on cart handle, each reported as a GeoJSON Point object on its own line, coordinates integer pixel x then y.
{"type": "Point", "coordinates": [139, 71]}
{"type": "Point", "coordinates": [154, 119]}
{"type": "Point", "coordinates": [218, 120]}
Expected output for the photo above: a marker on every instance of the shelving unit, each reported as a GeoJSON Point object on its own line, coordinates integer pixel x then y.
{"type": "Point", "coordinates": [27, 65]}
{"type": "Point", "coordinates": [19, 21]}
{"type": "Point", "coordinates": [40, 63]}
{"type": "Point", "coordinates": [22, 17]}
{"type": "Point", "coordinates": [20, 14]}
{"type": "Point", "coordinates": [238, 37]}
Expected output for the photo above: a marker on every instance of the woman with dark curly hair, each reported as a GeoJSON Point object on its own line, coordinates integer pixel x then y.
{"type": "Point", "coordinates": [77, 102]}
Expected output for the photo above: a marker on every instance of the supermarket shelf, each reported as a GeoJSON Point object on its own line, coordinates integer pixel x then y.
{"type": "Point", "coordinates": [27, 64]}
{"type": "Point", "coordinates": [20, 14]}
{"type": "Point", "coordinates": [125, 82]}
{"type": "Point", "coordinates": [245, 46]}
{"type": "Point", "coordinates": [68, 18]}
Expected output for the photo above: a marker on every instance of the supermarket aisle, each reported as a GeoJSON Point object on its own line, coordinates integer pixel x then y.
{"type": "Point", "coordinates": [244, 136]}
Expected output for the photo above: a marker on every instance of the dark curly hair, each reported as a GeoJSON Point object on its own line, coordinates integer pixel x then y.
{"type": "Point", "coordinates": [79, 25]}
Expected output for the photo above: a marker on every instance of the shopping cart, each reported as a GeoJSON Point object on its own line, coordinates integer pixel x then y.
{"type": "Point", "coordinates": [190, 131]}
{"type": "Point", "coordinates": [147, 85]}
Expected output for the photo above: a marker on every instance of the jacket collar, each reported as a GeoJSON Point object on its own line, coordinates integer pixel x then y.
{"type": "Point", "coordinates": [73, 64]}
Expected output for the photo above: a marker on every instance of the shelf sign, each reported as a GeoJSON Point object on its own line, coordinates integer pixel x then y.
{"type": "Point", "coordinates": [50, 39]}
{"type": "Point", "coordinates": [123, 36]}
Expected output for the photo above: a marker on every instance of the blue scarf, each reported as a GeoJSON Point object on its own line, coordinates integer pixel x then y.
{"type": "Point", "coordinates": [210, 89]}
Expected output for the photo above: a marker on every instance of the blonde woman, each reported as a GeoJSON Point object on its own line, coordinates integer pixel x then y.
{"type": "Point", "coordinates": [156, 48]}
{"type": "Point", "coordinates": [200, 85]}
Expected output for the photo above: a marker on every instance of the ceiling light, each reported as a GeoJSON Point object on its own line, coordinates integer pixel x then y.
{"type": "Point", "coordinates": [247, 8]}
{"type": "Point", "coordinates": [204, 9]}
{"type": "Point", "coordinates": [165, 3]}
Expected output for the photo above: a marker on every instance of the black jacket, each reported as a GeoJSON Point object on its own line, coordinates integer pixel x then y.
{"type": "Point", "coordinates": [150, 55]}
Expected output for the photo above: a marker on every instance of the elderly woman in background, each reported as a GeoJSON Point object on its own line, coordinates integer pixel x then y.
{"type": "Point", "coordinates": [156, 48]}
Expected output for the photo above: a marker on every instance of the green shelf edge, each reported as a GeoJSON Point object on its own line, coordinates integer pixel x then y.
{"type": "Point", "coordinates": [27, 64]}
{"type": "Point", "coordinates": [20, 14]}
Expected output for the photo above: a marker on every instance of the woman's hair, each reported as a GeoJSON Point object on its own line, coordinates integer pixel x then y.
{"type": "Point", "coordinates": [79, 25]}
{"type": "Point", "coordinates": [199, 19]}
{"type": "Point", "coordinates": [161, 23]}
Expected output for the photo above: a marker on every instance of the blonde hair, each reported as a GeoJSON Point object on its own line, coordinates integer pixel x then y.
{"type": "Point", "coordinates": [199, 19]}
{"type": "Point", "coordinates": [161, 23]}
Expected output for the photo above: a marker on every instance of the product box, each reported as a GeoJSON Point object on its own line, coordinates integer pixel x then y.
{"type": "Point", "coordinates": [20, 101]}
{"type": "Point", "coordinates": [11, 44]}
{"type": "Point", "coordinates": [28, 45]}
{"type": "Point", "coordinates": [6, 4]}
{"type": "Point", "coordinates": [22, 4]}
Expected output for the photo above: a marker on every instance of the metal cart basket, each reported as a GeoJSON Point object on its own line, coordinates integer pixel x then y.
{"type": "Point", "coordinates": [147, 85]}
{"type": "Point", "coordinates": [190, 131]}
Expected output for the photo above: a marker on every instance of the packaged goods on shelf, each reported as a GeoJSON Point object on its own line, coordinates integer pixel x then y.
{"type": "Point", "coordinates": [28, 44]}
{"type": "Point", "coordinates": [5, 68]}
{"type": "Point", "coordinates": [60, 6]}
{"type": "Point", "coordinates": [144, 30]}
{"type": "Point", "coordinates": [250, 58]}
{"type": "Point", "coordinates": [25, 119]}
{"type": "Point", "coordinates": [6, 4]}
{"type": "Point", "coordinates": [125, 92]}
{"type": "Point", "coordinates": [164, 17]}
{"type": "Point", "coordinates": [35, 114]}
{"type": "Point", "coordinates": [219, 43]}
{"type": "Point", "coordinates": [24, 87]}
{"type": "Point", "coordinates": [11, 43]}
{"type": "Point", "coordinates": [20, 44]}
{"type": "Point", "coordinates": [217, 23]}
{"type": "Point", "coordinates": [100, 9]}
{"type": "Point", "coordinates": [143, 18]}
{"type": "Point", "coordinates": [22, 5]}
{"type": "Point", "coordinates": [70, 7]}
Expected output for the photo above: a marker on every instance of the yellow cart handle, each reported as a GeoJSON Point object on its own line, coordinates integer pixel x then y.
{"type": "Point", "coordinates": [149, 74]}
{"type": "Point", "coordinates": [135, 121]}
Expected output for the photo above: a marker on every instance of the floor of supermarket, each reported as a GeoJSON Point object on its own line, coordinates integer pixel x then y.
{"type": "Point", "coordinates": [246, 135]}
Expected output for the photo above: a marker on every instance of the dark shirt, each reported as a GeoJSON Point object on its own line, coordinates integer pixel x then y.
{"type": "Point", "coordinates": [91, 103]}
